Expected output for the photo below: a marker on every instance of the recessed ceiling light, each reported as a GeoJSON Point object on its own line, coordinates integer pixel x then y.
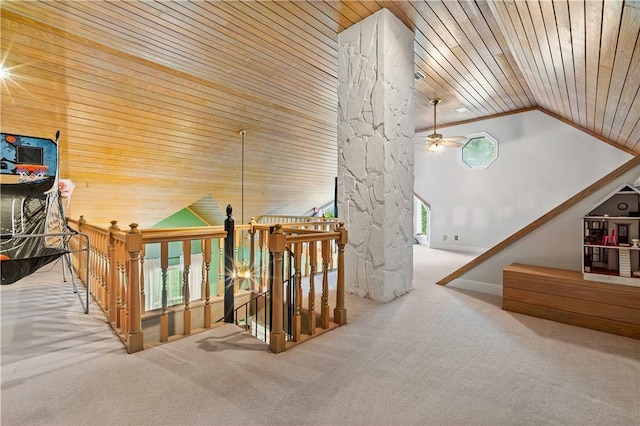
{"type": "Point", "coordinates": [461, 109]}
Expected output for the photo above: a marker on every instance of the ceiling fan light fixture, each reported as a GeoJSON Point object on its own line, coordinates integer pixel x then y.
{"type": "Point", "coordinates": [435, 140]}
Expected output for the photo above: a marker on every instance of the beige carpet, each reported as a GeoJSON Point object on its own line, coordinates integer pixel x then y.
{"type": "Point", "coordinates": [436, 356]}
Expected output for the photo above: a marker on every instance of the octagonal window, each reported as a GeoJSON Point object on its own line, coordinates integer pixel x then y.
{"type": "Point", "coordinates": [479, 151]}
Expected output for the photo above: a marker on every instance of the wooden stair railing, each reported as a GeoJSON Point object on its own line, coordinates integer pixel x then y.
{"type": "Point", "coordinates": [295, 239]}
{"type": "Point", "coordinates": [119, 259]}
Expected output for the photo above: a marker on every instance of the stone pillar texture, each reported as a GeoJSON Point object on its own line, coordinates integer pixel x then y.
{"type": "Point", "coordinates": [376, 155]}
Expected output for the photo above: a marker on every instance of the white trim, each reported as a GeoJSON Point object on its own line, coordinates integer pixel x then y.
{"type": "Point", "coordinates": [455, 247]}
{"type": "Point", "coordinates": [422, 240]}
{"type": "Point", "coordinates": [481, 287]}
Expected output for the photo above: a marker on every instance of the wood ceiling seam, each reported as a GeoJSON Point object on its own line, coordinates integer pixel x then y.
{"type": "Point", "coordinates": [630, 94]}
{"type": "Point", "coordinates": [506, 59]}
{"type": "Point", "coordinates": [534, 51]}
{"type": "Point", "coordinates": [286, 22]}
{"type": "Point", "coordinates": [223, 77]}
{"type": "Point", "coordinates": [268, 36]}
{"type": "Point", "coordinates": [273, 56]}
{"type": "Point", "coordinates": [210, 63]}
{"type": "Point", "coordinates": [346, 16]}
{"type": "Point", "coordinates": [475, 49]}
{"type": "Point", "coordinates": [611, 20]}
{"type": "Point", "coordinates": [549, 18]}
{"type": "Point", "coordinates": [323, 18]}
{"type": "Point", "coordinates": [539, 35]}
{"type": "Point", "coordinates": [635, 134]}
{"type": "Point", "coordinates": [296, 9]}
{"type": "Point", "coordinates": [481, 43]}
{"type": "Point", "coordinates": [162, 68]}
{"type": "Point", "coordinates": [627, 38]}
{"type": "Point", "coordinates": [507, 23]}
{"type": "Point", "coordinates": [482, 85]}
{"type": "Point", "coordinates": [424, 44]}
{"type": "Point", "coordinates": [593, 28]}
{"type": "Point", "coordinates": [561, 11]}
{"type": "Point", "coordinates": [576, 10]}
{"type": "Point", "coordinates": [144, 126]}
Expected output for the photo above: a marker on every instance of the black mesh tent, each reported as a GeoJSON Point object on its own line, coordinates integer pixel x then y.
{"type": "Point", "coordinates": [33, 230]}
{"type": "Point", "coordinates": [24, 213]}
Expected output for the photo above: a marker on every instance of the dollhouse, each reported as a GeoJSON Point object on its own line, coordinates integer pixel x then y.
{"type": "Point", "coordinates": [611, 243]}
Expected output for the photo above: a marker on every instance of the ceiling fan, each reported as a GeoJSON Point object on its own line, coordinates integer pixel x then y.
{"type": "Point", "coordinates": [435, 140]}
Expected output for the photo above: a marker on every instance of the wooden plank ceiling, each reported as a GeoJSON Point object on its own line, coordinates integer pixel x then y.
{"type": "Point", "coordinates": [150, 96]}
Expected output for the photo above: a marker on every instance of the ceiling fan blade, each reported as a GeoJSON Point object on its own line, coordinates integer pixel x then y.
{"type": "Point", "coordinates": [446, 142]}
{"type": "Point", "coordinates": [455, 139]}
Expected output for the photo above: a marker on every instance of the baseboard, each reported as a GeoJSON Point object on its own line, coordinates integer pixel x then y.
{"type": "Point", "coordinates": [478, 286]}
{"type": "Point", "coordinates": [456, 247]}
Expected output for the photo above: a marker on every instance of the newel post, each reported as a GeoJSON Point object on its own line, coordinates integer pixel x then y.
{"type": "Point", "coordinates": [133, 245]}
{"type": "Point", "coordinates": [112, 290]}
{"type": "Point", "coordinates": [277, 242]}
{"type": "Point", "coordinates": [340, 312]}
{"type": "Point", "coordinates": [229, 266]}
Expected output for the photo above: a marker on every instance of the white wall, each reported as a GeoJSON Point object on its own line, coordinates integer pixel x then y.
{"type": "Point", "coordinates": [542, 162]}
{"type": "Point", "coordinates": [557, 244]}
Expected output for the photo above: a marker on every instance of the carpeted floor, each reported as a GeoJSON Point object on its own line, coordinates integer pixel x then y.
{"type": "Point", "coordinates": [436, 356]}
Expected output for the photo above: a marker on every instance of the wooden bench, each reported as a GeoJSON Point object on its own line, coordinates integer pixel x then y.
{"type": "Point", "coordinates": [564, 296]}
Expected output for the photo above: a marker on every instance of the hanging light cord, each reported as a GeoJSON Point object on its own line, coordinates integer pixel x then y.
{"type": "Point", "coordinates": [242, 133]}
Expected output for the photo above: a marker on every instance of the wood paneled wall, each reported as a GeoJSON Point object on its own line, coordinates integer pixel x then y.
{"type": "Point", "coordinates": [142, 141]}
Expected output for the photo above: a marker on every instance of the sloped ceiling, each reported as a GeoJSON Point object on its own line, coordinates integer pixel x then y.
{"type": "Point", "coordinates": [150, 96]}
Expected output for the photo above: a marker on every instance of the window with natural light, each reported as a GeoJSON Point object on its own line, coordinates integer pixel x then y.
{"type": "Point", "coordinates": [421, 220]}
{"type": "Point", "coordinates": [479, 151]}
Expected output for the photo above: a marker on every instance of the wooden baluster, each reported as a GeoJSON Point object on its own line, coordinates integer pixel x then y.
{"type": "Point", "coordinates": [104, 270]}
{"type": "Point", "coordinates": [134, 246]}
{"type": "Point", "coordinates": [238, 246]}
{"type": "Point", "coordinates": [164, 266]}
{"type": "Point", "coordinates": [297, 319]}
{"type": "Point", "coordinates": [122, 262]}
{"type": "Point", "coordinates": [277, 242]}
{"type": "Point", "coordinates": [186, 253]}
{"type": "Point", "coordinates": [206, 286]}
{"type": "Point", "coordinates": [340, 312]}
{"type": "Point", "coordinates": [325, 284]}
{"type": "Point", "coordinates": [112, 283]}
{"type": "Point", "coordinates": [305, 256]}
{"type": "Point", "coordinates": [259, 278]}
{"type": "Point", "coordinates": [252, 255]}
{"type": "Point", "coordinates": [262, 242]}
{"type": "Point", "coordinates": [143, 296]}
{"type": "Point", "coordinates": [92, 266]}
{"type": "Point", "coordinates": [312, 287]}
{"type": "Point", "coordinates": [221, 267]}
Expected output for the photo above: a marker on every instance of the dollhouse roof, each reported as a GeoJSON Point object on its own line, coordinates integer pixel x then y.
{"type": "Point", "coordinates": [624, 189]}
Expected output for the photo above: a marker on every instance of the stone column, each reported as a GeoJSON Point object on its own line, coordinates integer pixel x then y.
{"type": "Point", "coordinates": [376, 155]}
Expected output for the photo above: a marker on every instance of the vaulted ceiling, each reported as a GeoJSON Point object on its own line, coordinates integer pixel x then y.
{"type": "Point", "coordinates": [150, 96]}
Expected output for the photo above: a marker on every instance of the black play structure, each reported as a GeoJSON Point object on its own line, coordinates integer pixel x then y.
{"type": "Point", "coordinates": [34, 231]}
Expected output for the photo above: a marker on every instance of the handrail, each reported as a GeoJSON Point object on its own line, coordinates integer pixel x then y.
{"type": "Point", "coordinates": [634, 162]}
